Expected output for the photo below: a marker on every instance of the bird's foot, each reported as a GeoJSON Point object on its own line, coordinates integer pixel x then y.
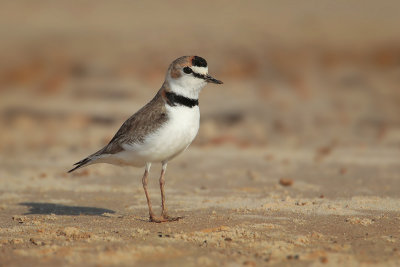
{"type": "Point", "coordinates": [164, 218]}
{"type": "Point", "coordinates": [157, 219]}
{"type": "Point", "coordinates": [171, 219]}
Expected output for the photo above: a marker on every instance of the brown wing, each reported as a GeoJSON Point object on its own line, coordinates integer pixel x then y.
{"type": "Point", "coordinates": [134, 129]}
{"type": "Point", "coordinates": [139, 125]}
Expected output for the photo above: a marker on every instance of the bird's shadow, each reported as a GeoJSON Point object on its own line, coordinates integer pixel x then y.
{"type": "Point", "coordinates": [58, 209]}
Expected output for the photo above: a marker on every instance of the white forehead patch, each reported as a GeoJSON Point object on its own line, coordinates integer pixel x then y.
{"type": "Point", "coordinates": [200, 70]}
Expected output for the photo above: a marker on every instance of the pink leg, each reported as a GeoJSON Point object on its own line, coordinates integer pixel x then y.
{"type": "Point", "coordinates": [144, 182]}
{"type": "Point", "coordinates": [164, 212]}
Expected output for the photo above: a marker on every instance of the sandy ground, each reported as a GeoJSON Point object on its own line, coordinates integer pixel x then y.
{"type": "Point", "coordinates": [297, 161]}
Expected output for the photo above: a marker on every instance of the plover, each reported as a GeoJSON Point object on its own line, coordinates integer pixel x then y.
{"type": "Point", "coordinates": [162, 129]}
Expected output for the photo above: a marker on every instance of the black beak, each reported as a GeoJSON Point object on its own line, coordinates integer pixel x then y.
{"type": "Point", "coordinates": [210, 79]}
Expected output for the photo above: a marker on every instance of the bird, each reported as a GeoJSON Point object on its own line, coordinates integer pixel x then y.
{"type": "Point", "coordinates": [160, 130]}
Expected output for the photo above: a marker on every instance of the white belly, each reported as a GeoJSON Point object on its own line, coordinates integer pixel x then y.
{"type": "Point", "coordinates": [164, 144]}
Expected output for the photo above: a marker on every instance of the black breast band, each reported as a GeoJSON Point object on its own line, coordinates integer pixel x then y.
{"type": "Point", "coordinates": [174, 99]}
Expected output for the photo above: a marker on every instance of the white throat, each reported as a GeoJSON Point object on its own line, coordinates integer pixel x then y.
{"type": "Point", "coordinates": [189, 87]}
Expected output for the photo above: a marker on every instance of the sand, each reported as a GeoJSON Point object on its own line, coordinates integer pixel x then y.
{"type": "Point", "coordinates": [297, 161]}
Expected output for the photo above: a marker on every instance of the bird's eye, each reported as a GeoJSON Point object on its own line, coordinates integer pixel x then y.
{"type": "Point", "coordinates": [187, 70]}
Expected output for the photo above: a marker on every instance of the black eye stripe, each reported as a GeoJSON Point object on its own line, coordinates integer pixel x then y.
{"type": "Point", "coordinates": [187, 70]}
{"type": "Point", "coordinates": [198, 75]}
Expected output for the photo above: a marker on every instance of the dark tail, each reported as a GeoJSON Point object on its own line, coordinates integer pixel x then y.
{"type": "Point", "coordinates": [80, 164]}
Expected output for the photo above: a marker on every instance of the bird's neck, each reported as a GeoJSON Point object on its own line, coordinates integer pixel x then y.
{"type": "Point", "coordinates": [191, 91]}
{"type": "Point", "coordinates": [173, 99]}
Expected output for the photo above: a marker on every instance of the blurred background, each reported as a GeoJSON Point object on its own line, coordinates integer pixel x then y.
{"type": "Point", "coordinates": [296, 160]}
{"type": "Point", "coordinates": [304, 75]}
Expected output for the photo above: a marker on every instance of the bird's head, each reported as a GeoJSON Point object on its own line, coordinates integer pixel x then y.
{"type": "Point", "coordinates": [188, 75]}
